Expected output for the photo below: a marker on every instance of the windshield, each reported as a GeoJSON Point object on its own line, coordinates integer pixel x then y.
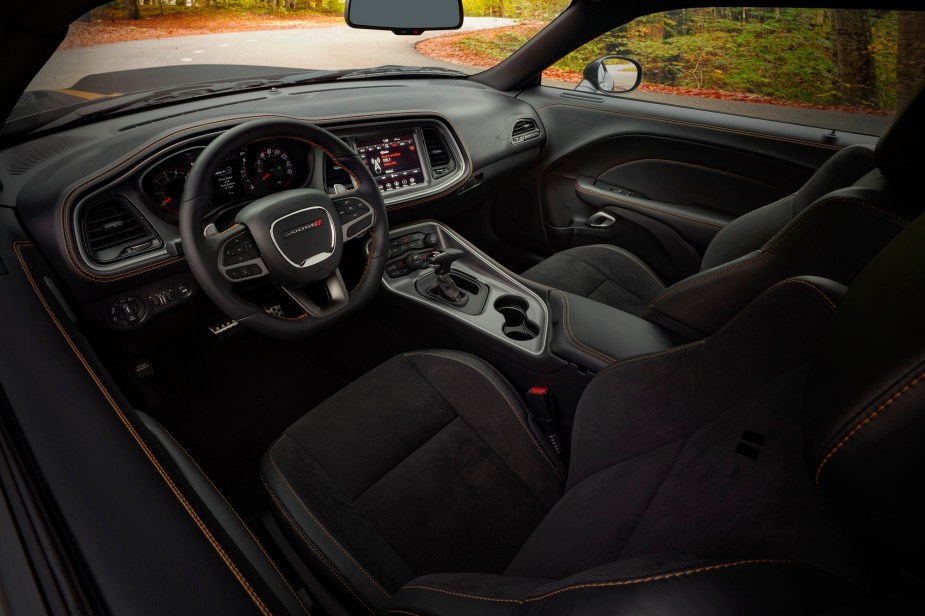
{"type": "Point", "coordinates": [132, 46]}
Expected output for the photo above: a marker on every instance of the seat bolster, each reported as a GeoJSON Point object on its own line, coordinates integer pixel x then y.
{"type": "Point", "coordinates": [604, 273]}
{"type": "Point", "coordinates": [326, 529]}
{"type": "Point", "coordinates": [838, 235]}
{"type": "Point", "coordinates": [652, 585]}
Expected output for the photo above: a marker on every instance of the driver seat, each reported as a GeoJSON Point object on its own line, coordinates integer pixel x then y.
{"type": "Point", "coordinates": [754, 471]}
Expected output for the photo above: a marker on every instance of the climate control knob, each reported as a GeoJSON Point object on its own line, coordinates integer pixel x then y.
{"type": "Point", "coordinates": [415, 261]}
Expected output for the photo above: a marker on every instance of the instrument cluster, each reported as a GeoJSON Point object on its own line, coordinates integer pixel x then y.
{"type": "Point", "coordinates": [259, 168]}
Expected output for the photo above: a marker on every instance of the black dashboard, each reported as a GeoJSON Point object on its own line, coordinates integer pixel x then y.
{"type": "Point", "coordinates": [102, 200]}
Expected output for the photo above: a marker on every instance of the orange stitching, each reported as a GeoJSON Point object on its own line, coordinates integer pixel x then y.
{"type": "Point", "coordinates": [632, 204]}
{"type": "Point", "coordinates": [568, 332]}
{"type": "Point", "coordinates": [506, 400]}
{"type": "Point", "coordinates": [651, 355]}
{"type": "Point", "coordinates": [780, 237]}
{"type": "Point", "coordinates": [318, 522]}
{"type": "Point", "coordinates": [315, 550]}
{"type": "Point", "coordinates": [140, 441]}
{"type": "Point", "coordinates": [866, 421]}
{"type": "Point", "coordinates": [816, 290]}
{"type": "Point", "coordinates": [608, 584]}
{"type": "Point", "coordinates": [243, 523]}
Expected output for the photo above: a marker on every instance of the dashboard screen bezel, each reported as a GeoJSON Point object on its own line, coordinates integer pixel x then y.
{"type": "Point", "coordinates": [366, 141]}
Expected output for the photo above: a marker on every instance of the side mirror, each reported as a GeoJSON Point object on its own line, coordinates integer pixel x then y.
{"type": "Point", "coordinates": [404, 16]}
{"type": "Point", "coordinates": [612, 75]}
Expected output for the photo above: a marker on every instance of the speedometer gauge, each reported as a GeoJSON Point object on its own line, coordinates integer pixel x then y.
{"type": "Point", "coordinates": [168, 187]}
{"type": "Point", "coordinates": [274, 167]}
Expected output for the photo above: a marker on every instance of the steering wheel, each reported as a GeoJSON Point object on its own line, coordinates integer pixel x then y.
{"type": "Point", "coordinates": [294, 238]}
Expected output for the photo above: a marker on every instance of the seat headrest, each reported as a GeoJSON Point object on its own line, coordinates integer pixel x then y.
{"type": "Point", "coordinates": [899, 149]}
{"type": "Point", "coordinates": [864, 437]}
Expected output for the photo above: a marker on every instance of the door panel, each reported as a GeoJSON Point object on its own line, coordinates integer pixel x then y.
{"type": "Point", "coordinates": [667, 174]}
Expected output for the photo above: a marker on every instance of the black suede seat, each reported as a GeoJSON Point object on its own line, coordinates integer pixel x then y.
{"type": "Point", "coordinates": [695, 474]}
{"type": "Point", "coordinates": [831, 227]}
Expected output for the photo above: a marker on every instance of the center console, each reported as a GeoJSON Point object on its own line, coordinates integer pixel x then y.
{"type": "Point", "coordinates": [486, 298]}
{"type": "Point", "coordinates": [431, 265]}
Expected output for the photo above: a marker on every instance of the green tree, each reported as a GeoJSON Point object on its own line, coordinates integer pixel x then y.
{"type": "Point", "coordinates": [910, 64]}
{"type": "Point", "coordinates": [856, 80]}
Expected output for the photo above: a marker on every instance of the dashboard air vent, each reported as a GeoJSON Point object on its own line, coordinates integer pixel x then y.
{"type": "Point", "coordinates": [113, 231]}
{"type": "Point", "coordinates": [334, 173]}
{"type": "Point", "coordinates": [524, 130]}
{"type": "Point", "coordinates": [441, 160]}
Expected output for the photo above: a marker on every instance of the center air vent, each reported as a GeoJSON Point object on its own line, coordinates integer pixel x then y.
{"type": "Point", "coordinates": [524, 130]}
{"type": "Point", "coordinates": [439, 155]}
{"type": "Point", "coordinates": [335, 174]}
{"type": "Point", "coordinates": [113, 230]}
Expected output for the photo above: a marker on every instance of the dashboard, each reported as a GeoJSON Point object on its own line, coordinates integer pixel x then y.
{"type": "Point", "coordinates": [102, 200]}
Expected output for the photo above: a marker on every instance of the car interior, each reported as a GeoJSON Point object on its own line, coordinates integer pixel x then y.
{"type": "Point", "coordinates": [429, 344]}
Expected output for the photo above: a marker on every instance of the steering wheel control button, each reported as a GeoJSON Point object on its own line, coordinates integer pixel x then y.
{"type": "Point", "coordinates": [239, 249]}
{"type": "Point", "coordinates": [350, 209]}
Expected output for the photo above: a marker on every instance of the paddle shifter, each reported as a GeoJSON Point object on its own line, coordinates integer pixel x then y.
{"type": "Point", "coordinates": [441, 261]}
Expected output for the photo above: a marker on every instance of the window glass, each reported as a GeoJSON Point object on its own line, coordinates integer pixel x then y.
{"type": "Point", "coordinates": [835, 68]}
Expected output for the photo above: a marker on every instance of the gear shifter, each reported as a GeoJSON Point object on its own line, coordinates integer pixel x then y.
{"type": "Point", "coordinates": [441, 261]}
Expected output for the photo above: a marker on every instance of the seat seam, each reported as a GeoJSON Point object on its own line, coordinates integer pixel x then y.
{"type": "Point", "coordinates": [318, 522]}
{"type": "Point", "coordinates": [243, 523]}
{"type": "Point", "coordinates": [605, 275]}
{"type": "Point", "coordinates": [607, 583]}
{"type": "Point", "coordinates": [510, 405]}
{"type": "Point", "coordinates": [416, 449]}
{"type": "Point", "coordinates": [774, 242]}
{"type": "Point", "coordinates": [686, 440]}
{"type": "Point", "coordinates": [651, 356]}
{"type": "Point", "coordinates": [568, 332]}
{"type": "Point", "coordinates": [315, 549]}
{"type": "Point", "coordinates": [879, 410]}
{"type": "Point", "coordinates": [631, 257]}
{"type": "Point", "coordinates": [136, 436]}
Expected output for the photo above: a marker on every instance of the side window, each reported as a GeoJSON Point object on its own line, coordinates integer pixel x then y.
{"type": "Point", "coordinates": [843, 69]}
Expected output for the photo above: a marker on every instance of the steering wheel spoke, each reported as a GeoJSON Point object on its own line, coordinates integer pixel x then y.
{"type": "Point", "coordinates": [334, 289]}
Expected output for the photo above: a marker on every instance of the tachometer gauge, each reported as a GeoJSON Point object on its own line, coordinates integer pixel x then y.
{"type": "Point", "coordinates": [168, 187]}
{"type": "Point", "coordinates": [274, 167]}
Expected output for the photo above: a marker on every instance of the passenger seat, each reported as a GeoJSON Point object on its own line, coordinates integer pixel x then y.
{"type": "Point", "coordinates": [831, 227]}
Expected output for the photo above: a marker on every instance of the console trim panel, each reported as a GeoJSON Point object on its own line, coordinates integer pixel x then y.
{"type": "Point", "coordinates": [498, 281]}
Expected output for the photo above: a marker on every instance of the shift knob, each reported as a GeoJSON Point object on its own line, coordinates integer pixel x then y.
{"type": "Point", "coordinates": [442, 260]}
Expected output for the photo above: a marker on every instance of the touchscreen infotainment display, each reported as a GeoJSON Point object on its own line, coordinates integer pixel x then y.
{"type": "Point", "coordinates": [394, 161]}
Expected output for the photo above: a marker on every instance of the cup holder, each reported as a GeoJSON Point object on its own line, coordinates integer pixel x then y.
{"type": "Point", "coordinates": [516, 324]}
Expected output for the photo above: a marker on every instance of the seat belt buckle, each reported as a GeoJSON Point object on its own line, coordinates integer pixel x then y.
{"type": "Point", "coordinates": [543, 408]}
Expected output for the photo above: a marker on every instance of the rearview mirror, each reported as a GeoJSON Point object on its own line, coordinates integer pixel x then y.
{"type": "Point", "coordinates": [404, 16]}
{"type": "Point", "coordinates": [611, 75]}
